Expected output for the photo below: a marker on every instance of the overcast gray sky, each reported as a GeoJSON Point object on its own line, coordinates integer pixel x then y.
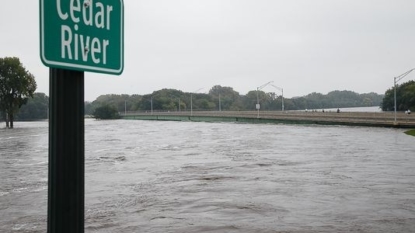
{"type": "Point", "coordinates": [303, 46]}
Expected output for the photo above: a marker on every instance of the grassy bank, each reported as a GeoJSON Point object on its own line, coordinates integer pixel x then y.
{"type": "Point", "coordinates": [411, 132]}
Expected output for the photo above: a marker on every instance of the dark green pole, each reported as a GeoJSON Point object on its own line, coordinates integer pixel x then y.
{"type": "Point", "coordinates": [66, 187]}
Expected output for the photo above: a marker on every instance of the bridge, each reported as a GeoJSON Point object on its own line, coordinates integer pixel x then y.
{"type": "Point", "coordinates": [372, 119]}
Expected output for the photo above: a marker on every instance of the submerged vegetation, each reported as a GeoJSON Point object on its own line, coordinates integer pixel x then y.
{"type": "Point", "coordinates": [17, 85]}
{"type": "Point", "coordinates": [106, 112]}
{"type": "Point", "coordinates": [411, 132]}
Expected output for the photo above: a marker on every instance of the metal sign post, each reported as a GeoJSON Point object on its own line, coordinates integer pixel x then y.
{"type": "Point", "coordinates": [66, 186]}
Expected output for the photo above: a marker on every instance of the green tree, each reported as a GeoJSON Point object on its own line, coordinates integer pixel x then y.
{"type": "Point", "coordinates": [405, 97]}
{"type": "Point", "coordinates": [249, 101]}
{"type": "Point", "coordinates": [89, 108]}
{"type": "Point", "coordinates": [229, 99]}
{"type": "Point", "coordinates": [16, 86]}
{"type": "Point", "coordinates": [200, 102]}
{"type": "Point", "coordinates": [120, 102]}
{"type": "Point", "coordinates": [371, 99]}
{"type": "Point", "coordinates": [165, 100]}
{"type": "Point", "coordinates": [204, 104]}
{"type": "Point", "coordinates": [35, 109]}
{"type": "Point", "coordinates": [275, 102]}
{"type": "Point", "coordinates": [106, 112]}
{"type": "Point", "coordinates": [299, 103]}
{"type": "Point", "coordinates": [288, 104]}
{"type": "Point", "coordinates": [169, 99]}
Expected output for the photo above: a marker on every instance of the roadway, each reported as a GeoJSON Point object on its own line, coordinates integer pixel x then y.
{"type": "Point", "coordinates": [380, 119]}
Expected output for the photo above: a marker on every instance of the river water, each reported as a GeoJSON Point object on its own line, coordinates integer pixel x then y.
{"type": "Point", "coordinates": [149, 176]}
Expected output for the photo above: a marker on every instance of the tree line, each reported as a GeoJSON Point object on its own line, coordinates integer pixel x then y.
{"type": "Point", "coordinates": [218, 98]}
{"type": "Point", "coordinates": [18, 100]}
{"type": "Point", "coordinates": [221, 98]}
{"type": "Point", "coordinates": [405, 97]}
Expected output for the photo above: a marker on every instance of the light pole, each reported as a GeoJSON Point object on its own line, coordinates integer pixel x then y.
{"type": "Point", "coordinates": [282, 96]}
{"type": "Point", "coordinates": [219, 104]}
{"type": "Point", "coordinates": [257, 102]}
{"type": "Point", "coordinates": [191, 100]}
{"type": "Point", "coordinates": [257, 96]}
{"type": "Point", "coordinates": [396, 80]}
{"type": "Point", "coordinates": [152, 105]}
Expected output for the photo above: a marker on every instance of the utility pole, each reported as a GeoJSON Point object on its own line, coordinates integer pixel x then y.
{"type": "Point", "coordinates": [151, 105]}
{"type": "Point", "coordinates": [257, 96]}
{"type": "Point", "coordinates": [220, 107]}
{"type": "Point", "coordinates": [282, 96]}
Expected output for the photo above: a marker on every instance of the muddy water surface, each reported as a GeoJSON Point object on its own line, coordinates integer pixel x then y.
{"type": "Point", "coordinates": [145, 176]}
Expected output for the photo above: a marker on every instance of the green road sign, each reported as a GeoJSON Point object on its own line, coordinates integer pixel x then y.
{"type": "Point", "coordinates": [86, 35]}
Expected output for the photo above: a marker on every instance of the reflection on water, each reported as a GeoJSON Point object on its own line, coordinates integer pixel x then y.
{"type": "Point", "coordinates": [145, 176]}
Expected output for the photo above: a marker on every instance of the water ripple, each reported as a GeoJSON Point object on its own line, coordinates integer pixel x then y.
{"type": "Point", "coordinates": [145, 176]}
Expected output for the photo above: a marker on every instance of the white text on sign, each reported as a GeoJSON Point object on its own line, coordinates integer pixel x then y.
{"type": "Point", "coordinates": [89, 14]}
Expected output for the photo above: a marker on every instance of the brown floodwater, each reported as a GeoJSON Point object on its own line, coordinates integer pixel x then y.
{"type": "Point", "coordinates": [149, 176]}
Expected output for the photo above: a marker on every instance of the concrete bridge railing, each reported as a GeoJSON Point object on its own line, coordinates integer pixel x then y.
{"type": "Point", "coordinates": [383, 119]}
